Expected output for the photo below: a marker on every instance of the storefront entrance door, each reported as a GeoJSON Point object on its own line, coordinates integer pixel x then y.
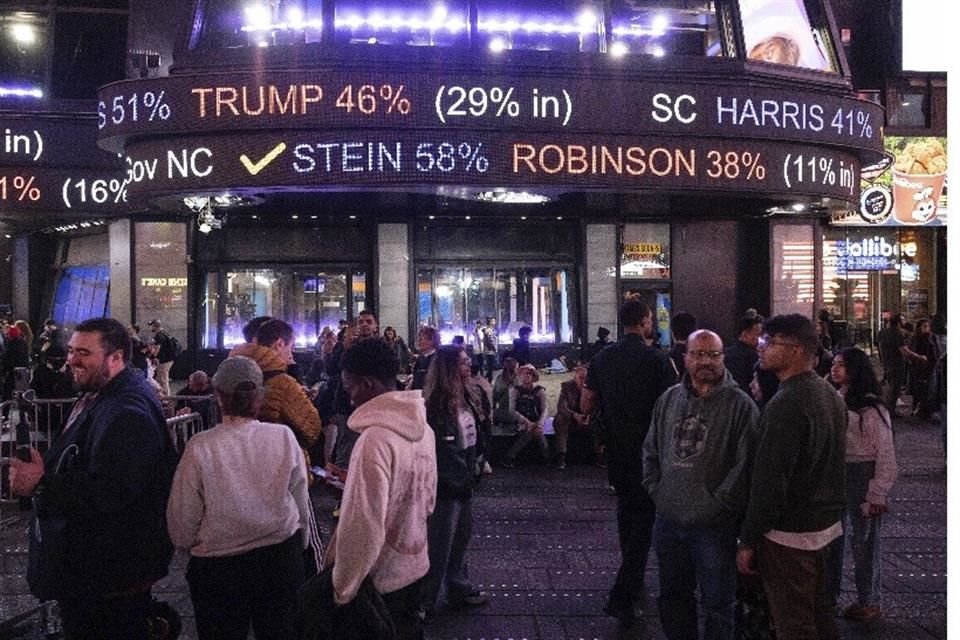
{"type": "Point", "coordinates": [657, 296]}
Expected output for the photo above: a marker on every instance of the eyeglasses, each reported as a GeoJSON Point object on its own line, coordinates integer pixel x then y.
{"type": "Point", "coordinates": [709, 355]}
{"type": "Point", "coordinates": [763, 343]}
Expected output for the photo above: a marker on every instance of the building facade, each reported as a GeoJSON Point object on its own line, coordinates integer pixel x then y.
{"type": "Point", "coordinates": [448, 163]}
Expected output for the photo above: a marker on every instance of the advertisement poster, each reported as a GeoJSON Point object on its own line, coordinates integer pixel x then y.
{"type": "Point", "coordinates": [912, 192]}
{"type": "Point", "coordinates": [779, 31]}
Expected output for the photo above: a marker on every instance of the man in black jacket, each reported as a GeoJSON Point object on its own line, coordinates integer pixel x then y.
{"type": "Point", "coordinates": [624, 382]}
{"type": "Point", "coordinates": [165, 356]}
{"type": "Point", "coordinates": [797, 486]}
{"type": "Point", "coordinates": [741, 356]}
{"type": "Point", "coordinates": [99, 539]}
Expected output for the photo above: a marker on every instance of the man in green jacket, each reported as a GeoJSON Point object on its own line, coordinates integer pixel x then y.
{"type": "Point", "coordinates": [797, 487]}
{"type": "Point", "coordinates": [696, 465]}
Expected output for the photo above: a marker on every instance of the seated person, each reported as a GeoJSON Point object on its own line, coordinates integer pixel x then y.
{"type": "Point", "coordinates": [570, 419]}
{"type": "Point", "coordinates": [507, 379]}
{"type": "Point", "coordinates": [198, 384]}
{"type": "Point", "coordinates": [528, 404]}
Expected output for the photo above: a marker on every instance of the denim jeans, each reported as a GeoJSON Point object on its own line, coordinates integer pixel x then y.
{"type": "Point", "coordinates": [691, 557]}
{"type": "Point", "coordinates": [448, 532]}
{"type": "Point", "coordinates": [863, 535]}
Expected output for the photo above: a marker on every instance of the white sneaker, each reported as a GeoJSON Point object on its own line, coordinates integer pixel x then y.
{"type": "Point", "coordinates": [487, 469]}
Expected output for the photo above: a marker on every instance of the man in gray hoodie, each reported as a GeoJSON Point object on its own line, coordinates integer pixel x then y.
{"type": "Point", "coordinates": [696, 460]}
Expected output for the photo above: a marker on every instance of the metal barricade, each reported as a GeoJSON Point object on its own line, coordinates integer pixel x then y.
{"type": "Point", "coordinates": [206, 406]}
{"type": "Point", "coordinates": [8, 448]}
{"type": "Point", "coordinates": [184, 427]}
{"type": "Point", "coordinates": [45, 418]}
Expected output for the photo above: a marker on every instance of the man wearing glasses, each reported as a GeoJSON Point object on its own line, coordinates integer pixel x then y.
{"type": "Point", "coordinates": [696, 460]}
{"type": "Point", "coordinates": [797, 485]}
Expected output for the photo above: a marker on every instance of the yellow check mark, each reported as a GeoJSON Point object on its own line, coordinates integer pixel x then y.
{"type": "Point", "coordinates": [256, 167]}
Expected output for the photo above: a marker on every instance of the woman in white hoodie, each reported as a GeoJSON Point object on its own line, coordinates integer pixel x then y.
{"type": "Point", "coordinates": [871, 472]}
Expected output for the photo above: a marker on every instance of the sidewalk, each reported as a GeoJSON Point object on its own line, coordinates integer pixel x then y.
{"type": "Point", "coordinates": [544, 548]}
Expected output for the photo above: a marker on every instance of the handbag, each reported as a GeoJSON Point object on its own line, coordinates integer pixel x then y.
{"type": "Point", "coordinates": [317, 616]}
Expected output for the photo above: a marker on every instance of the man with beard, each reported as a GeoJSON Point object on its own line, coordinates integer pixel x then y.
{"type": "Point", "coordinates": [624, 381]}
{"type": "Point", "coordinates": [98, 540]}
{"type": "Point", "coordinates": [696, 462]}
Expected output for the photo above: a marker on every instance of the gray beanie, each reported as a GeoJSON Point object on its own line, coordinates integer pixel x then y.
{"type": "Point", "coordinates": [235, 371]}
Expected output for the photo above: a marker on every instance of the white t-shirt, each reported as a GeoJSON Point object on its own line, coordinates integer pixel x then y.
{"type": "Point", "coordinates": [468, 428]}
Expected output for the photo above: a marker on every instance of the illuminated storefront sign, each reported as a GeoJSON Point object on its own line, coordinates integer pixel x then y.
{"type": "Point", "coordinates": [912, 192]}
{"type": "Point", "coordinates": [640, 250]}
{"type": "Point", "coordinates": [163, 282]}
{"type": "Point", "coordinates": [867, 254]}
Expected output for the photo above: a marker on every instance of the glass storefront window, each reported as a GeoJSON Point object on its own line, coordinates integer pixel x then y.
{"type": "Point", "coordinates": [787, 32]}
{"type": "Point", "coordinates": [23, 52]}
{"type": "Point", "coordinates": [646, 251]}
{"type": "Point", "coordinates": [860, 271]}
{"type": "Point", "coordinates": [307, 300]}
{"type": "Point", "coordinates": [657, 296]}
{"type": "Point", "coordinates": [83, 292]}
{"type": "Point", "coordinates": [917, 274]}
{"type": "Point", "coordinates": [162, 275]}
{"type": "Point", "coordinates": [659, 28]}
{"type": "Point", "coordinates": [209, 310]}
{"type": "Point", "coordinates": [794, 270]}
{"type": "Point", "coordinates": [453, 299]}
{"type": "Point", "coordinates": [415, 22]}
{"type": "Point", "coordinates": [359, 293]}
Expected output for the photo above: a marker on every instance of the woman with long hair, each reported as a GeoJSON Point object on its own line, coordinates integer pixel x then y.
{"type": "Point", "coordinates": [456, 415]}
{"type": "Point", "coordinates": [399, 347]}
{"type": "Point", "coordinates": [871, 472]}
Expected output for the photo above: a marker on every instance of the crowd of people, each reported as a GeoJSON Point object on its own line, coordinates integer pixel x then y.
{"type": "Point", "coordinates": [745, 469]}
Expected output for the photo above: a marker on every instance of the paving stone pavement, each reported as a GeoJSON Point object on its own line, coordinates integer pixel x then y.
{"type": "Point", "coordinates": [544, 548]}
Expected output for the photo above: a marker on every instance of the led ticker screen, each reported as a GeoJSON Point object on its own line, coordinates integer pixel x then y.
{"type": "Point", "coordinates": [82, 190]}
{"type": "Point", "coordinates": [323, 100]}
{"type": "Point", "coordinates": [55, 164]}
{"type": "Point", "coordinates": [49, 142]}
{"type": "Point", "coordinates": [419, 160]}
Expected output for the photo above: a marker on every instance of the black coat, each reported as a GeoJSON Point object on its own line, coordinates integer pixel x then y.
{"type": "Point", "coordinates": [99, 523]}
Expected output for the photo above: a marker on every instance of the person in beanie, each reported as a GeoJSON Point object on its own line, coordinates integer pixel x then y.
{"type": "Point", "coordinates": [244, 523]}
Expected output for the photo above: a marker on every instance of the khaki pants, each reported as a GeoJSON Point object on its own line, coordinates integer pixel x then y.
{"type": "Point", "coordinates": [162, 376]}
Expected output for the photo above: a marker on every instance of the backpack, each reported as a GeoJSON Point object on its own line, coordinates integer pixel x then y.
{"type": "Point", "coordinates": [177, 347]}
